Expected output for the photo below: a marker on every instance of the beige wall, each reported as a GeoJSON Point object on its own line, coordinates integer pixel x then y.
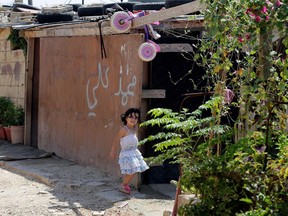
{"type": "Point", "coordinates": [12, 70]}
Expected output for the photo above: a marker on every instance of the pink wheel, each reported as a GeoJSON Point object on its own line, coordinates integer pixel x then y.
{"type": "Point", "coordinates": [147, 51]}
{"type": "Point", "coordinates": [120, 22]}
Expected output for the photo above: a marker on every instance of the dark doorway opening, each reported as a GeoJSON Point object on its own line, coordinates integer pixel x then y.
{"type": "Point", "coordinates": [179, 75]}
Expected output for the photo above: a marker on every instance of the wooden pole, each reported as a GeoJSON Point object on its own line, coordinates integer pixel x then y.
{"type": "Point", "coordinates": [265, 44]}
{"type": "Point", "coordinates": [168, 13]}
{"type": "Point", "coordinates": [28, 91]}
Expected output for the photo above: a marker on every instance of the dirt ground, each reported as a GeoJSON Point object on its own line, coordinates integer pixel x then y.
{"type": "Point", "coordinates": [22, 195]}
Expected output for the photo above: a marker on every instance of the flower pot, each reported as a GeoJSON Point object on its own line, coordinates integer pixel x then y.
{"type": "Point", "coordinates": [17, 134]}
{"type": "Point", "coordinates": [7, 133]}
{"type": "Point", "coordinates": [2, 133]}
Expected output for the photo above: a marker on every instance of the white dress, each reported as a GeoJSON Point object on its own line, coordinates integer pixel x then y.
{"type": "Point", "coordinates": [130, 158]}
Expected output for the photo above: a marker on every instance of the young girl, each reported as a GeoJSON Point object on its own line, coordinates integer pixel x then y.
{"type": "Point", "coordinates": [130, 158]}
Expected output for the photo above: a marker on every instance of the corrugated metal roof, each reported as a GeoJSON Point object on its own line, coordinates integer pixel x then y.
{"type": "Point", "coordinates": [89, 25]}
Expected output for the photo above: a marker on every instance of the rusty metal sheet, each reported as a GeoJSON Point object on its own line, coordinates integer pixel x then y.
{"type": "Point", "coordinates": [81, 95]}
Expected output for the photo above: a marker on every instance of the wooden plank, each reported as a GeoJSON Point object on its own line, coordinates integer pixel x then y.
{"type": "Point", "coordinates": [28, 93]}
{"type": "Point", "coordinates": [192, 25]}
{"type": "Point", "coordinates": [67, 32]}
{"type": "Point", "coordinates": [168, 13]}
{"type": "Point", "coordinates": [153, 93]}
{"type": "Point", "coordinates": [176, 47]}
{"type": "Point", "coordinates": [91, 30]}
{"type": "Point", "coordinates": [28, 10]}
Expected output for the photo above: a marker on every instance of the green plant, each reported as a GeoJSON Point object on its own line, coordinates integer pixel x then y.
{"type": "Point", "coordinates": [5, 105]}
{"type": "Point", "coordinates": [244, 174]}
{"type": "Point", "coordinates": [17, 41]}
{"type": "Point", "coordinates": [11, 115]}
{"type": "Point", "coordinates": [19, 115]}
{"type": "Point", "coordinates": [236, 181]}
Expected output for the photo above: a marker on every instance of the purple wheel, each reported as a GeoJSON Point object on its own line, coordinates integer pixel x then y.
{"type": "Point", "coordinates": [147, 51]}
{"type": "Point", "coordinates": [120, 22]}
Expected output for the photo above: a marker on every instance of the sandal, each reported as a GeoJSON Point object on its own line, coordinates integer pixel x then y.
{"type": "Point", "coordinates": [125, 189]}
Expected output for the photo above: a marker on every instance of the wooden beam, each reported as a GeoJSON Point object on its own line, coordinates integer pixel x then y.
{"type": "Point", "coordinates": [153, 93]}
{"type": "Point", "coordinates": [28, 91]}
{"type": "Point", "coordinates": [176, 47]}
{"type": "Point", "coordinates": [183, 9]}
{"type": "Point", "coordinates": [192, 25]}
{"type": "Point", "coordinates": [69, 32]}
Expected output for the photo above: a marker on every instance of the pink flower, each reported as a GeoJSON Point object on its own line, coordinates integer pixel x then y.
{"type": "Point", "coordinates": [247, 36]}
{"type": "Point", "coordinates": [257, 18]}
{"type": "Point", "coordinates": [252, 15]}
{"type": "Point", "coordinates": [267, 18]}
{"type": "Point", "coordinates": [248, 11]}
{"type": "Point", "coordinates": [240, 39]}
{"type": "Point", "coordinates": [264, 9]}
{"type": "Point", "coordinates": [278, 3]}
{"type": "Point", "coordinates": [270, 4]}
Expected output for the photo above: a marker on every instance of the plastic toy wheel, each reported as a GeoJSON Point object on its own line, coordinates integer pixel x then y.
{"type": "Point", "coordinates": [120, 22]}
{"type": "Point", "coordinates": [147, 51]}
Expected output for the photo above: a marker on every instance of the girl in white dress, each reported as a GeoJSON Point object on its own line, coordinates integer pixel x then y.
{"type": "Point", "coordinates": [130, 158]}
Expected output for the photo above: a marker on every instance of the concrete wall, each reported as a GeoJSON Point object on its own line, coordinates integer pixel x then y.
{"type": "Point", "coordinates": [12, 70]}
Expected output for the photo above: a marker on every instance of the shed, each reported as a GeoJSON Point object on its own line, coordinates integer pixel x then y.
{"type": "Point", "coordinates": [80, 78]}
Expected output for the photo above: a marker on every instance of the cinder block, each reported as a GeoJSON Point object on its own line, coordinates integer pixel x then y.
{"type": "Point", "coordinates": [14, 82]}
{"type": "Point", "coordinates": [6, 68]}
{"type": "Point", "coordinates": [5, 46]}
{"type": "Point", "coordinates": [6, 80]}
{"type": "Point", "coordinates": [20, 101]}
{"type": "Point", "coordinates": [5, 56]}
{"type": "Point", "coordinates": [13, 93]}
{"type": "Point", "coordinates": [18, 68]}
{"type": "Point", "coordinates": [4, 33]}
{"type": "Point", "coordinates": [4, 90]}
{"type": "Point", "coordinates": [2, 57]}
{"type": "Point", "coordinates": [21, 81]}
{"type": "Point", "coordinates": [2, 45]}
{"type": "Point", "coordinates": [21, 92]}
{"type": "Point", "coordinates": [18, 56]}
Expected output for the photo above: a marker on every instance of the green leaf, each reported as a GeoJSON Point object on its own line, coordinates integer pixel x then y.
{"type": "Point", "coordinates": [246, 200]}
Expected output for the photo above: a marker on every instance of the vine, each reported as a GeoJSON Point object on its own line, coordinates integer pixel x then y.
{"type": "Point", "coordinates": [17, 41]}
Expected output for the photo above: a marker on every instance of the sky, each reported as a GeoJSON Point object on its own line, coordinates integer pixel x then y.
{"type": "Point", "coordinates": [44, 3]}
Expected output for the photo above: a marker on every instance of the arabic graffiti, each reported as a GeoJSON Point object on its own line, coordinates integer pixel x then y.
{"type": "Point", "coordinates": [103, 80]}
{"type": "Point", "coordinates": [123, 94]}
{"type": "Point", "coordinates": [92, 105]}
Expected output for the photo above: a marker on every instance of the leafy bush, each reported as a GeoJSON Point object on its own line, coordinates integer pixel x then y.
{"type": "Point", "coordinates": [239, 170]}
{"type": "Point", "coordinates": [11, 115]}
{"type": "Point", "coordinates": [5, 105]}
{"type": "Point", "coordinates": [14, 116]}
{"type": "Point", "coordinates": [243, 179]}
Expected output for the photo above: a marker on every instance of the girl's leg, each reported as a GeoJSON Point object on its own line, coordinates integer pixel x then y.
{"type": "Point", "coordinates": [125, 184]}
{"type": "Point", "coordinates": [127, 179]}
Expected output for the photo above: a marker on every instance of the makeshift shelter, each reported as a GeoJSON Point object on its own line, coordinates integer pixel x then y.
{"type": "Point", "coordinates": [82, 75]}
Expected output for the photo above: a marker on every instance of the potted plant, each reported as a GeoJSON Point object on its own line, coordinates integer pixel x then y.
{"type": "Point", "coordinates": [13, 121]}
{"type": "Point", "coordinates": [5, 105]}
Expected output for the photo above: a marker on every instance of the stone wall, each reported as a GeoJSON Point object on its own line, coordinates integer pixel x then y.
{"type": "Point", "coordinates": [12, 69]}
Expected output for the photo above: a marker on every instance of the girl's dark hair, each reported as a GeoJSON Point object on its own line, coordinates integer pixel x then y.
{"type": "Point", "coordinates": [129, 113]}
